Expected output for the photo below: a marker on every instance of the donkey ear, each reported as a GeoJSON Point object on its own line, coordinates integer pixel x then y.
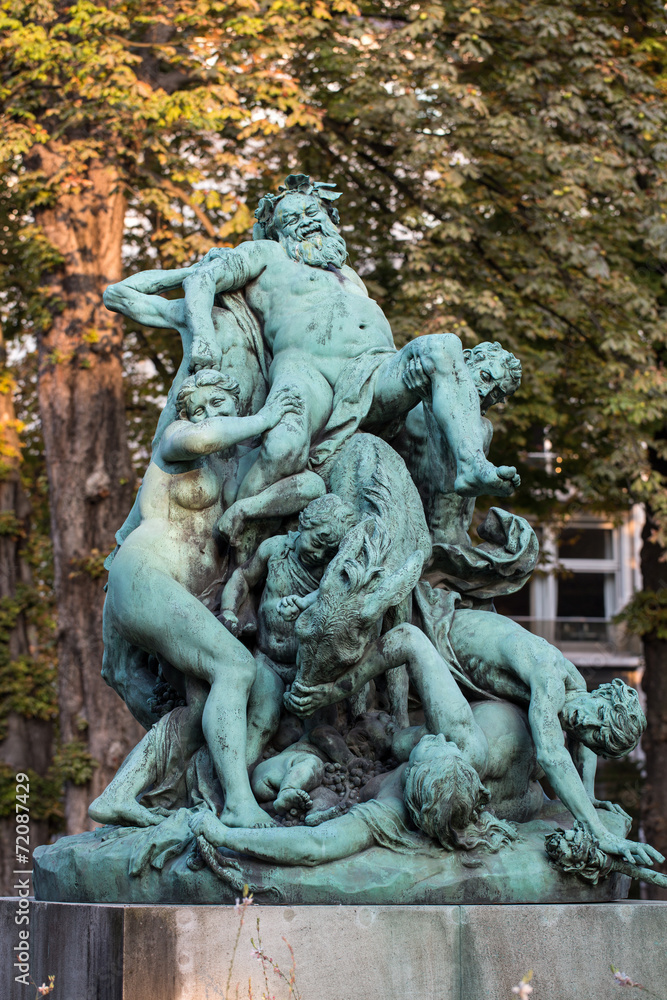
{"type": "Point", "coordinates": [394, 588]}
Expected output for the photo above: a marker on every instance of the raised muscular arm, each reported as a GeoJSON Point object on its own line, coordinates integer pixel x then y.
{"type": "Point", "coordinates": [138, 297]}
{"type": "Point", "coordinates": [222, 271]}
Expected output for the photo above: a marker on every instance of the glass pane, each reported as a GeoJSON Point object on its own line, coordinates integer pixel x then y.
{"type": "Point", "coordinates": [514, 605]}
{"type": "Point", "coordinates": [585, 543]}
{"type": "Point", "coordinates": [581, 596]}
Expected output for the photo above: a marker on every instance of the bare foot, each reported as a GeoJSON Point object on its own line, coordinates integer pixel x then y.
{"type": "Point", "coordinates": [110, 812]}
{"type": "Point", "coordinates": [478, 477]}
{"type": "Point", "coordinates": [247, 815]}
{"type": "Point", "coordinates": [292, 798]}
{"type": "Point", "coordinates": [318, 816]}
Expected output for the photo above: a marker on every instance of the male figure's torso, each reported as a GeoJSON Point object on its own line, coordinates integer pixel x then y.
{"type": "Point", "coordinates": [324, 314]}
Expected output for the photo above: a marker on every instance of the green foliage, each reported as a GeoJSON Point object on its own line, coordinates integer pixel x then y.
{"type": "Point", "coordinates": [27, 683]}
{"type": "Point", "coordinates": [72, 762]}
{"type": "Point", "coordinates": [45, 796]}
{"type": "Point", "coordinates": [10, 524]}
{"type": "Point", "coordinates": [646, 614]}
{"type": "Point", "coordinates": [92, 565]}
{"type": "Point", "coordinates": [504, 173]}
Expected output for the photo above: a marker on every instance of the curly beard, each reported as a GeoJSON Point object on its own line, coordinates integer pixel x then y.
{"type": "Point", "coordinates": [319, 250]}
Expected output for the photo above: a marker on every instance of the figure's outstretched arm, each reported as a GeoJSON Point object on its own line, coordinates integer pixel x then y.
{"type": "Point", "coordinates": [223, 270]}
{"type": "Point", "coordinates": [297, 845]}
{"type": "Point", "coordinates": [557, 764]}
{"type": "Point", "coordinates": [138, 297]}
{"type": "Point", "coordinates": [184, 440]}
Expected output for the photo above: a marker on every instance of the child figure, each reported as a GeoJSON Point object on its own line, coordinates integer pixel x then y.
{"type": "Point", "coordinates": [293, 565]}
{"type": "Point", "coordinates": [287, 778]}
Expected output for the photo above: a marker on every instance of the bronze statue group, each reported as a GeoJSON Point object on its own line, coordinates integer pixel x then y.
{"type": "Point", "coordinates": [295, 609]}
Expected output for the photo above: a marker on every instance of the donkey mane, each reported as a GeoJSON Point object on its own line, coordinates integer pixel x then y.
{"type": "Point", "coordinates": [371, 560]}
{"type": "Point", "coordinates": [377, 496]}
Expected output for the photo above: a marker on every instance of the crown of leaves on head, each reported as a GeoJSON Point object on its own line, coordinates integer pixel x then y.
{"type": "Point", "coordinates": [294, 184]}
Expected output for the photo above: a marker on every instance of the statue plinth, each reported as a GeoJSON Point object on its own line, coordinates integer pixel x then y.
{"type": "Point", "coordinates": [375, 952]}
{"type": "Point", "coordinates": [92, 868]}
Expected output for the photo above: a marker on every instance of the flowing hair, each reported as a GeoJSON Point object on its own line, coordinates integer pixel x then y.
{"type": "Point", "coordinates": [622, 723]}
{"type": "Point", "coordinates": [445, 798]}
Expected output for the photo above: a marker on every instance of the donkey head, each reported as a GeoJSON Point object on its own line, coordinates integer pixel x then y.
{"type": "Point", "coordinates": [354, 594]}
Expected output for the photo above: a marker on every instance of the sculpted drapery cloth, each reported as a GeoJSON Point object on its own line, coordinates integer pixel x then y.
{"type": "Point", "coordinates": [502, 564]}
{"type": "Point", "coordinates": [352, 400]}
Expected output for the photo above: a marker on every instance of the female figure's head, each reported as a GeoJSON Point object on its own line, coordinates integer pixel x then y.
{"type": "Point", "coordinates": [445, 799]}
{"type": "Point", "coordinates": [208, 393]}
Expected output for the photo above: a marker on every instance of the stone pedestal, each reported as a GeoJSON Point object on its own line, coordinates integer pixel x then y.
{"type": "Point", "coordinates": [135, 952]}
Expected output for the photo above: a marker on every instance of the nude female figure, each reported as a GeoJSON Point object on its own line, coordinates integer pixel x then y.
{"type": "Point", "coordinates": [173, 555]}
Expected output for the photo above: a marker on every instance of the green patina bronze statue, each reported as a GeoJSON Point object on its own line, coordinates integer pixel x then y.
{"type": "Point", "coordinates": [296, 613]}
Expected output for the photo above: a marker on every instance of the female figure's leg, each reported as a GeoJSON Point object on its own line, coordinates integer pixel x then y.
{"type": "Point", "coordinates": [154, 612]}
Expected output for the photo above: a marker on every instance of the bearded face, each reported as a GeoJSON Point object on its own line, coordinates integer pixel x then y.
{"type": "Point", "coordinates": [307, 233]}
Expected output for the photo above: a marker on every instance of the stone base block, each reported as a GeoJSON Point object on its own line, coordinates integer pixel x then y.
{"type": "Point", "coordinates": [135, 952]}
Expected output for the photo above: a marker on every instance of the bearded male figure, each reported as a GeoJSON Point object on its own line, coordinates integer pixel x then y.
{"type": "Point", "coordinates": [332, 345]}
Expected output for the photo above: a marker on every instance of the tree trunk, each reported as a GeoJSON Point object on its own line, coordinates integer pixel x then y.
{"type": "Point", "coordinates": [654, 741]}
{"type": "Point", "coordinates": [27, 744]}
{"type": "Point", "coordinates": [88, 461]}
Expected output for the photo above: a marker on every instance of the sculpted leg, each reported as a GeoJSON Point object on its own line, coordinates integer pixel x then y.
{"type": "Point", "coordinates": [264, 706]}
{"type": "Point", "coordinates": [305, 772]}
{"type": "Point", "coordinates": [178, 627]}
{"type": "Point", "coordinates": [117, 805]}
{"type": "Point", "coordinates": [438, 359]}
{"type": "Point", "coordinates": [146, 765]}
{"type": "Point", "coordinates": [287, 496]}
{"type": "Point", "coordinates": [284, 450]}
{"type": "Point", "coordinates": [269, 774]}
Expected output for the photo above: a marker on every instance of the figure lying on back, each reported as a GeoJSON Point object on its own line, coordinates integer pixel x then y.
{"type": "Point", "coordinates": [436, 800]}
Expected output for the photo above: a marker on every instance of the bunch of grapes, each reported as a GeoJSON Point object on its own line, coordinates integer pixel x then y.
{"type": "Point", "coordinates": [164, 698]}
{"type": "Point", "coordinates": [346, 781]}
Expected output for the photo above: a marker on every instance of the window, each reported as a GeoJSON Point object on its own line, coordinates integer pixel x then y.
{"type": "Point", "coordinates": [590, 572]}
